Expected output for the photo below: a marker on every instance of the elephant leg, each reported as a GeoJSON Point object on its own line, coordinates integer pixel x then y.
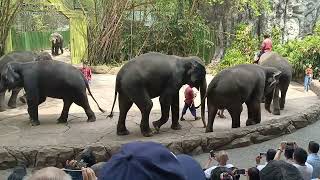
{"type": "Point", "coordinates": [165, 109]}
{"type": "Point", "coordinates": [124, 105]}
{"type": "Point", "coordinates": [212, 112]}
{"type": "Point", "coordinates": [175, 112]}
{"type": "Point", "coordinates": [61, 48]}
{"type": "Point", "coordinates": [13, 99]}
{"type": "Point", "coordinates": [254, 112]}
{"type": "Point", "coordinates": [2, 104]}
{"type": "Point", "coordinates": [52, 49]}
{"type": "Point", "coordinates": [283, 90]}
{"type": "Point", "coordinates": [268, 100]}
{"type": "Point", "coordinates": [65, 111]}
{"type": "Point", "coordinates": [33, 104]}
{"type": "Point", "coordinates": [82, 100]}
{"type": "Point", "coordinates": [276, 106]}
{"type": "Point", "coordinates": [235, 111]}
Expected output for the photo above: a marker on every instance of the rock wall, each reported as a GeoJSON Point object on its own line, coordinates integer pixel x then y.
{"type": "Point", "coordinates": [295, 18]}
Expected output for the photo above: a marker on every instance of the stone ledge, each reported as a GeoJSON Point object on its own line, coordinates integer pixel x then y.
{"type": "Point", "coordinates": [196, 143]}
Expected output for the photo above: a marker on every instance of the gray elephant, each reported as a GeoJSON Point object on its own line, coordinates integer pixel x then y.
{"type": "Point", "coordinates": [246, 83]}
{"type": "Point", "coordinates": [18, 56]}
{"type": "Point", "coordinates": [151, 75]}
{"type": "Point", "coordinates": [42, 79]}
{"type": "Point", "coordinates": [56, 43]}
{"type": "Point", "coordinates": [272, 59]}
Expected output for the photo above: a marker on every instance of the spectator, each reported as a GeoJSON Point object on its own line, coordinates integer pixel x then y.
{"type": "Point", "coordinates": [150, 161]}
{"type": "Point", "coordinates": [222, 159]}
{"type": "Point", "coordinates": [253, 173]}
{"type": "Point", "coordinates": [50, 173]}
{"type": "Point", "coordinates": [314, 159]}
{"type": "Point", "coordinates": [280, 170]}
{"type": "Point", "coordinates": [189, 103]}
{"type": "Point", "coordinates": [18, 173]}
{"type": "Point", "coordinates": [86, 71]}
{"type": "Point", "coordinates": [308, 78]}
{"type": "Point", "coordinates": [269, 156]}
{"type": "Point", "coordinates": [288, 151]}
{"type": "Point", "coordinates": [300, 157]}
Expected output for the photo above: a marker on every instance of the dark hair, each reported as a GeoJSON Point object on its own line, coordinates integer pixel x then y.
{"type": "Point", "coordinates": [313, 147]}
{"type": "Point", "coordinates": [266, 36]}
{"type": "Point", "coordinates": [253, 173]}
{"type": "Point", "coordinates": [300, 155]}
{"type": "Point", "coordinates": [270, 154]}
{"type": "Point", "coordinates": [288, 152]}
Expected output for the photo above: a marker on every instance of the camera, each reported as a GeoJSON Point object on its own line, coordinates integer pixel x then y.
{"type": "Point", "coordinates": [262, 154]}
{"type": "Point", "coordinates": [240, 171]}
{"type": "Point", "coordinates": [75, 174]}
{"type": "Point", "coordinates": [212, 153]}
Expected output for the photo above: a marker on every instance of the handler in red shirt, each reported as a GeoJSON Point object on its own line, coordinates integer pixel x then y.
{"type": "Point", "coordinates": [86, 71]}
{"type": "Point", "coordinates": [266, 46]}
{"type": "Point", "coordinates": [189, 103]}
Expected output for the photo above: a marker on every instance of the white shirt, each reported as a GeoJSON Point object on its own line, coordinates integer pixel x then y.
{"type": "Point", "coordinates": [260, 167]}
{"type": "Point", "coordinates": [306, 171]}
{"type": "Point", "coordinates": [207, 172]}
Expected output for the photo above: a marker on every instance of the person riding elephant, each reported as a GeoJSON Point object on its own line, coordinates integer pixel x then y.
{"type": "Point", "coordinates": [151, 75]}
{"type": "Point", "coordinates": [57, 43]}
{"type": "Point", "coordinates": [273, 59]}
{"type": "Point", "coordinates": [246, 83]}
{"type": "Point", "coordinates": [17, 56]}
{"type": "Point", "coordinates": [42, 79]}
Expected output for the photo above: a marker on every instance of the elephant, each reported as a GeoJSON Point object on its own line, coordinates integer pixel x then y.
{"type": "Point", "coordinates": [18, 56]}
{"type": "Point", "coordinates": [153, 75]}
{"type": "Point", "coordinates": [56, 43]}
{"type": "Point", "coordinates": [245, 83]}
{"type": "Point", "coordinates": [272, 59]}
{"type": "Point", "coordinates": [42, 79]}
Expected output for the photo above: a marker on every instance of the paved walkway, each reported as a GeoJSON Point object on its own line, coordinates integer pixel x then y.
{"type": "Point", "coordinates": [15, 129]}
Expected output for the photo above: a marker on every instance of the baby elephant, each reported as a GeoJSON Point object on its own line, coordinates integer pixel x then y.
{"type": "Point", "coordinates": [42, 79]}
{"type": "Point", "coordinates": [246, 83]}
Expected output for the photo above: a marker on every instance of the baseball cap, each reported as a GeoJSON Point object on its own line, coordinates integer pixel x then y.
{"type": "Point", "coordinates": [150, 161]}
{"type": "Point", "coordinates": [280, 170]}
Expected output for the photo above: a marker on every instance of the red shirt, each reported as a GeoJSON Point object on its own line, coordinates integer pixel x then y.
{"type": "Point", "coordinates": [266, 45]}
{"type": "Point", "coordinates": [86, 71]}
{"type": "Point", "coordinates": [189, 95]}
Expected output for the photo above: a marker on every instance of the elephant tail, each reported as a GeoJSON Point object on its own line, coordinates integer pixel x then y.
{"type": "Point", "coordinates": [114, 101]}
{"type": "Point", "coordinates": [87, 85]}
{"type": "Point", "coordinates": [202, 100]}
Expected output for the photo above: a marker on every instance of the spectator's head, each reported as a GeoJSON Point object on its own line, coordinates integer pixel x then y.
{"type": "Point", "coordinates": [88, 157]}
{"type": "Point", "coordinates": [18, 173]}
{"type": "Point", "coordinates": [253, 173]}
{"type": "Point", "coordinates": [313, 147]}
{"type": "Point", "coordinates": [288, 152]}
{"type": "Point", "coordinates": [50, 173]}
{"type": "Point", "coordinates": [149, 160]}
{"type": "Point", "coordinates": [222, 158]}
{"type": "Point", "coordinates": [300, 156]}
{"type": "Point", "coordinates": [266, 36]}
{"type": "Point", "coordinates": [270, 154]}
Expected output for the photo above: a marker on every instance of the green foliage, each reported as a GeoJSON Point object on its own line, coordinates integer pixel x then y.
{"type": "Point", "coordinates": [302, 52]}
{"type": "Point", "coordinates": [243, 48]}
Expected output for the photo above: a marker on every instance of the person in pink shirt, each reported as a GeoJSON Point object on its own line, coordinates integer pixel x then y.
{"type": "Point", "coordinates": [266, 46]}
{"type": "Point", "coordinates": [86, 71]}
{"type": "Point", "coordinates": [189, 103]}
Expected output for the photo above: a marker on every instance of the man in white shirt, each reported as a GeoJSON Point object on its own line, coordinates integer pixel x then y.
{"type": "Point", "coordinates": [269, 157]}
{"type": "Point", "coordinates": [314, 159]}
{"type": "Point", "coordinates": [222, 159]}
{"type": "Point", "coordinates": [300, 157]}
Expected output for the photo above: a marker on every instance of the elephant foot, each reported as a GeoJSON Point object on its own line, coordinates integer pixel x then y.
{"type": "Point", "coordinates": [62, 120]}
{"type": "Point", "coordinates": [12, 105]}
{"type": "Point", "coordinates": [2, 109]}
{"type": "Point", "coordinates": [23, 99]}
{"type": "Point", "coordinates": [157, 125]}
{"type": "Point", "coordinates": [250, 122]}
{"type": "Point", "coordinates": [182, 119]}
{"type": "Point", "coordinates": [35, 122]}
{"type": "Point", "coordinates": [267, 107]}
{"type": "Point", "coordinates": [93, 119]}
{"type": "Point", "coordinates": [281, 107]}
{"type": "Point", "coordinates": [276, 112]}
{"type": "Point", "coordinates": [147, 133]}
{"type": "Point", "coordinates": [208, 130]}
{"type": "Point", "coordinates": [122, 131]}
{"type": "Point", "coordinates": [176, 126]}
{"type": "Point", "coordinates": [235, 125]}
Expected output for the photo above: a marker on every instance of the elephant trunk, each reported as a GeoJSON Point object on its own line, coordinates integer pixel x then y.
{"type": "Point", "coordinates": [203, 91]}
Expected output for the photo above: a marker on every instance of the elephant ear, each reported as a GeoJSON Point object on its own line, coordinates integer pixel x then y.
{"type": "Point", "coordinates": [11, 76]}
{"type": "Point", "coordinates": [275, 78]}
